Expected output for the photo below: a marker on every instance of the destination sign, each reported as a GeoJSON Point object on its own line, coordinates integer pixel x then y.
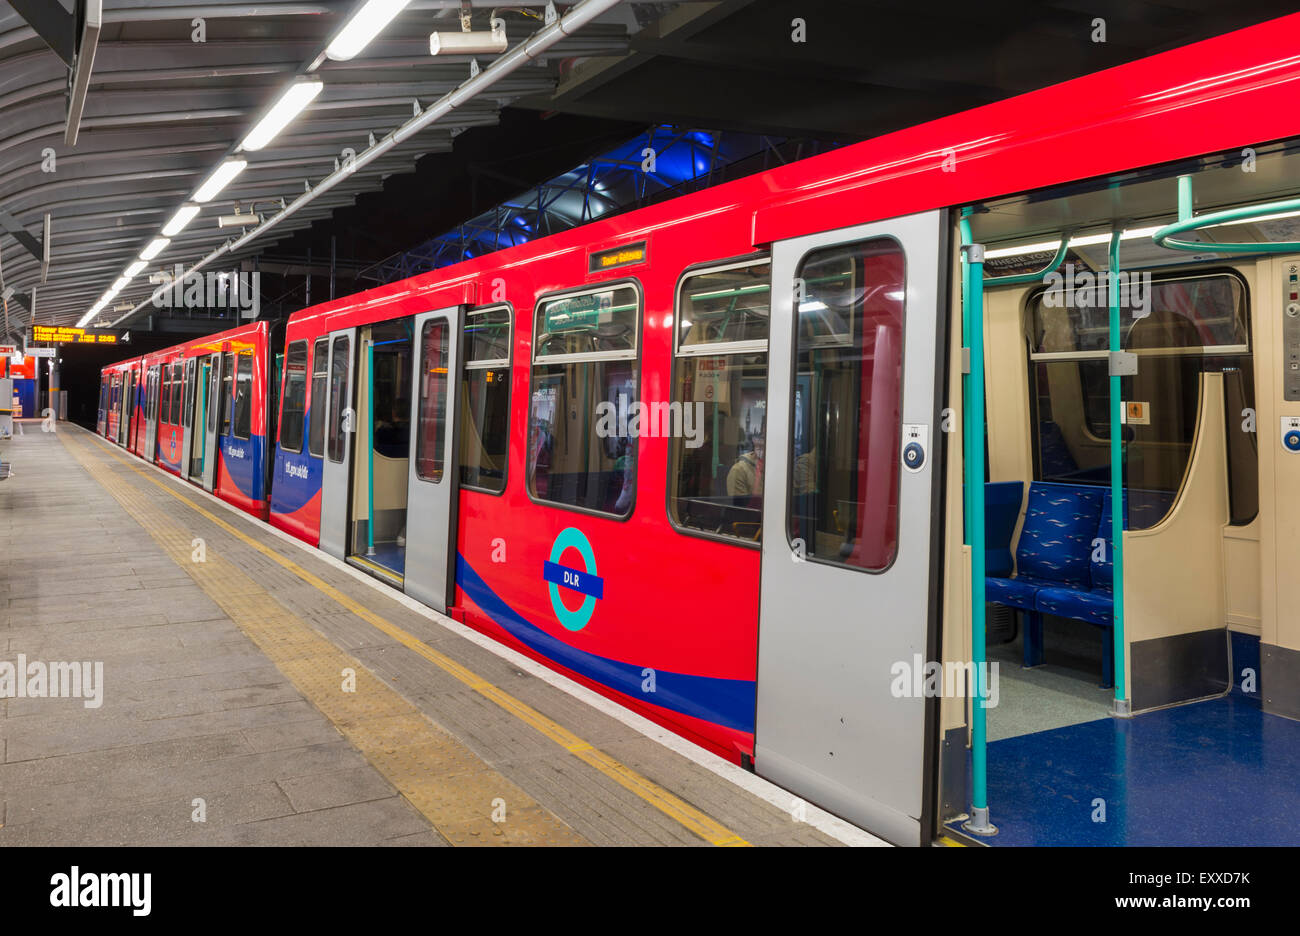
{"type": "Point", "coordinates": [65, 334]}
{"type": "Point", "coordinates": [626, 255]}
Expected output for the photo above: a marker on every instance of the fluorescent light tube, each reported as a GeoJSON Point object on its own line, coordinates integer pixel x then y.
{"type": "Point", "coordinates": [182, 217]}
{"type": "Point", "coordinates": [297, 96]}
{"type": "Point", "coordinates": [219, 179]}
{"type": "Point", "coordinates": [156, 246]}
{"type": "Point", "coordinates": [135, 269]}
{"type": "Point", "coordinates": [366, 23]}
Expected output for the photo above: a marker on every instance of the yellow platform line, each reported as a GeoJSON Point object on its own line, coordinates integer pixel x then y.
{"type": "Point", "coordinates": [669, 804]}
{"type": "Point", "coordinates": [467, 801]}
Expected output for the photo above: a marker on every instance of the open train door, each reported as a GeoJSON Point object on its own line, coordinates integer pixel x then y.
{"type": "Point", "coordinates": [151, 414]}
{"type": "Point", "coordinates": [849, 564]}
{"type": "Point", "coordinates": [434, 474]}
{"type": "Point", "coordinates": [211, 422]}
{"type": "Point", "coordinates": [189, 430]}
{"type": "Point", "coordinates": [340, 424]}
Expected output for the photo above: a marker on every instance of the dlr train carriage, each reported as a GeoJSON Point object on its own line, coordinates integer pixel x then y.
{"type": "Point", "coordinates": [947, 480]}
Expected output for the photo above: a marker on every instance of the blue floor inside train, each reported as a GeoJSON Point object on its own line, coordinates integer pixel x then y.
{"type": "Point", "coordinates": [1220, 772]}
{"type": "Point", "coordinates": [389, 555]}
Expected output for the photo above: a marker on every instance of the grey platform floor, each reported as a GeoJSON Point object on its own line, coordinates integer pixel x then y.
{"type": "Point", "coordinates": [194, 711]}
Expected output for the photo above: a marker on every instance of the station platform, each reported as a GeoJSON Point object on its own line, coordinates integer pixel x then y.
{"type": "Point", "coordinates": [257, 692]}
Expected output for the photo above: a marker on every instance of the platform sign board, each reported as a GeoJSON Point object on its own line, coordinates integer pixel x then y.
{"type": "Point", "coordinates": [8, 350]}
{"type": "Point", "coordinates": [64, 334]}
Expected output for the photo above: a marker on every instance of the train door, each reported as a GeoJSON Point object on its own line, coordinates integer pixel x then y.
{"type": "Point", "coordinates": [847, 594]}
{"type": "Point", "coordinates": [188, 424]}
{"type": "Point", "coordinates": [151, 414]}
{"type": "Point", "coordinates": [124, 417]}
{"type": "Point", "coordinates": [199, 443]}
{"type": "Point", "coordinates": [432, 492]}
{"type": "Point", "coordinates": [137, 406]}
{"type": "Point", "coordinates": [340, 419]}
{"type": "Point", "coordinates": [381, 444]}
{"type": "Point", "coordinates": [212, 406]}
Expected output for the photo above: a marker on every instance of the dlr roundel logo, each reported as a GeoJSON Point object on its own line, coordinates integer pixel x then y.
{"type": "Point", "coordinates": [582, 580]}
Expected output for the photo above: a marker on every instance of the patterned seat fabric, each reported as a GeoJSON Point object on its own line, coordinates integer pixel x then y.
{"type": "Point", "coordinates": [1018, 592]}
{"type": "Point", "coordinates": [1056, 540]}
{"type": "Point", "coordinates": [1095, 606]}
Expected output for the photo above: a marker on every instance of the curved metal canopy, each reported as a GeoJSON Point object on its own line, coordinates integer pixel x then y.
{"type": "Point", "coordinates": [173, 88]}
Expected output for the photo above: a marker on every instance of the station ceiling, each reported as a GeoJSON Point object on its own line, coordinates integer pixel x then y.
{"type": "Point", "coordinates": [162, 109]}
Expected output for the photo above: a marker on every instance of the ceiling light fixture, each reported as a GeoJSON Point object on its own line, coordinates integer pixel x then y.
{"type": "Point", "coordinates": [367, 22]}
{"type": "Point", "coordinates": [291, 103]}
{"type": "Point", "coordinates": [182, 217]}
{"type": "Point", "coordinates": [156, 246]}
{"type": "Point", "coordinates": [220, 178]}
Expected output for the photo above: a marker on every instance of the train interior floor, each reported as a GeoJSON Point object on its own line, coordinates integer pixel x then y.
{"type": "Point", "coordinates": [1062, 771]}
{"type": "Point", "coordinates": [253, 692]}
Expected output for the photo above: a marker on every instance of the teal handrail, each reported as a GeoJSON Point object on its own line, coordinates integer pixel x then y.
{"type": "Point", "coordinates": [972, 319]}
{"type": "Point", "coordinates": [1117, 484]}
{"type": "Point", "coordinates": [1167, 235]}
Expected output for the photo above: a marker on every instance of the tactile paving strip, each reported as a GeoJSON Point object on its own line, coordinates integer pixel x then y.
{"type": "Point", "coordinates": [449, 784]}
{"type": "Point", "coordinates": [693, 819]}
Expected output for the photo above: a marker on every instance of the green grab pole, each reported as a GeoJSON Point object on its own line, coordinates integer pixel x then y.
{"type": "Point", "coordinates": [370, 448]}
{"type": "Point", "coordinates": [203, 452]}
{"type": "Point", "coordinates": [1185, 206]}
{"type": "Point", "coordinates": [973, 426]}
{"type": "Point", "coordinates": [1117, 484]}
{"type": "Point", "coordinates": [965, 343]}
{"type": "Point", "coordinates": [1188, 222]}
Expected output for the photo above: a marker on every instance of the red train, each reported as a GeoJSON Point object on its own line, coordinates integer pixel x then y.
{"type": "Point", "coordinates": [201, 410]}
{"type": "Point", "coordinates": [693, 455]}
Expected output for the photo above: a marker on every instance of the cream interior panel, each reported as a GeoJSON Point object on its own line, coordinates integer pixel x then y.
{"type": "Point", "coordinates": [1173, 584]}
{"type": "Point", "coordinates": [1241, 577]}
{"type": "Point", "coordinates": [1279, 495]}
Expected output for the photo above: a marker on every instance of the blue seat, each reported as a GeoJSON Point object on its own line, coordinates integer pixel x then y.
{"type": "Point", "coordinates": [1059, 569]}
{"type": "Point", "coordinates": [1001, 511]}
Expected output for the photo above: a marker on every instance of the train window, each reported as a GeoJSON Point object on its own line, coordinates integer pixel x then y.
{"type": "Point", "coordinates": [845, 405]}
{"type": "Point", "coordinates": [582, 433]}
{"type": "Point", "coordinates": [1180, 313]}
{"type": "Point", "coordinates": [1189, 325]}
{"type": "Point", "coordinates": [720, 388]}
{"type": "Point", "coordinates": [187, 381]}
{"type": "Point", "coordinates": [166, 393]}
{"type": "Point", "coordinates": [596, 323]}
{"type": "Point", "coordinates": [227, 389]}
{"type": "Point", "coordinates": [176, 394]}
{"type": "Point", "coordinates": [485, 391]}
{"type": "Point", "coordinates": [340, 421]}
{"type": "Point", "coordinates": [295, 397]}
{"type": "Point", "coordinates": [432, 426]}
{"type": "Point", "coordinates": [243, 396]}
{"type": "Point", "coordinates": [319, 373]}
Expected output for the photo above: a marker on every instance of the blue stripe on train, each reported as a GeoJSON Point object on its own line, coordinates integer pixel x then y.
{"type": "Point", "coordinates": [725, 702]}
{"type": "Point", "coordinates": [243, 461]}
